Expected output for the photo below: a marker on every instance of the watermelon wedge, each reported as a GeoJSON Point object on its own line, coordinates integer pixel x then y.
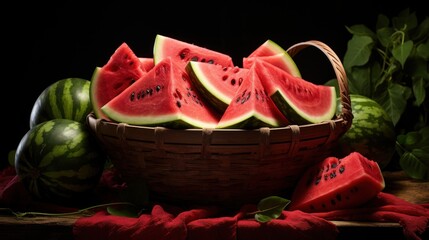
{"type": "Point", "coordinates": [162, 97]}
{"type": "Point", "coordinates": [334, 183]}
{"type": "Point", "coordinates": [217, 83]}
{"type": "Point", "coordinates": [251, 107]}
{"type": "Point", "coordinates": [273, 53]}
{"type": "Point", "coordinates": [146, 63]}
{"type": "Point", "coordinates": [182, 52]}
{"type": "Point", "coordinates": [302, 102]}
{"type": "Point", "coordinates": [122, 70]}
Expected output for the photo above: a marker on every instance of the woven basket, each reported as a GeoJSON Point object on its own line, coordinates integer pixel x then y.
{"type": "Point", "coordinates": [223, 166]}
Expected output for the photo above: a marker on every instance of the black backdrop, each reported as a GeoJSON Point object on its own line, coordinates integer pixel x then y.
{"type": "Point", "coordinates": [43, 43]}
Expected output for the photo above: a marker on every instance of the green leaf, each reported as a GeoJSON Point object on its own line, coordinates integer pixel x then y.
{"type": "Point", "coordinates": [422, 31]}
{"type": "Point", "coordinates": [423, 50]}
{"type": "Point", "coordinates": [419, 90]}
{"type": "Point", "coordinates": [270, 208]}
{"type": "Point", "coordinates": [414, 166]}
{"type": "Point", "coordinates": [360, 81]}
{"type": "Point", "coordinates": [384, 36]}
{"type": "Point", "coordinates": [395, 101]}
{"type": "Point", "coordinates": [124, 211]}
{"type": "Point", "coordinates": [361, 30]}
{"type": "Point", "coordinates": [382, 21]}
{"type": "Point", "coordinates": [405, 20]}
{"type": "Point", "coordinates": [401, 52]}
{"type": "Point", "coordinates": [358, 52]}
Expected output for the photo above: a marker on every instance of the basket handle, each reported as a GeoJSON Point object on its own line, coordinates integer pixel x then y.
{"type": "Point", "coordinates": [346, 111]}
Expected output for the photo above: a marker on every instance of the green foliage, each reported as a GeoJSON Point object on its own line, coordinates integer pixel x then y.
{"type": "Point", "coordinates": [390, 65]}
{"type": "Point", "coordinates": [414, 149]}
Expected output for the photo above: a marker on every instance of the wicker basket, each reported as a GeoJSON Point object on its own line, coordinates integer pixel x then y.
{"type": "Point", "coordinates": [223, 166]}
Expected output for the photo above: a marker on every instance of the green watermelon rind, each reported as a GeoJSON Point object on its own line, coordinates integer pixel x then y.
{"type": "Point", "coordinates": [67, 98]}
{"type": "Point", "coordinates": [296, 115]}
{"type": "Point", "coordinates": [272, 48]}
{"type": "Point", "coordinates": [171, 121]}
{"type": "Point", "coordinates": [67, 159]}
{"type": "Point", "coordinates": [96, 106]}
{"type": "Point", "coordinates": [217, 98]}
{"type": "Point", "coordinates": [249, 121]}
{"type": "Point", "coordinates": [369, 120]}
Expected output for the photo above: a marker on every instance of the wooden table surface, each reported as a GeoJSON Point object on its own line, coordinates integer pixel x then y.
{"type": "Point", "coordinates": [397, 183]}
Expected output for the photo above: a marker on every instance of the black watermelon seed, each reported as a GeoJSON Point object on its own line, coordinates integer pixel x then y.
{"type": "Point", "coordinates": [338, 197]}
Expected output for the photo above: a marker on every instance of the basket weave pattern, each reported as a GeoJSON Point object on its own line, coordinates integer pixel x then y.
{"type": "Point", "coordinates": [223, 166]}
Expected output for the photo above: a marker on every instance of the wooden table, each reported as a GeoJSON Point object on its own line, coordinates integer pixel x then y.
{"type": "Point", "coordinates": [397, 183]}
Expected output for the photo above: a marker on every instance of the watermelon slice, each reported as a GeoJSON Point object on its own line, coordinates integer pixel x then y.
{"type": "Point", "coordinates": [272, 52]}
{"type": "Point", "coordinates": [162, 97]}
{"type": "Point", "coordinates": [334, 184]}
{"type": "Point", "coordinates": [183, 52]}
{"type": "Point", "coordinates": [251, 107]}
{"type": "Point", "coordinates": [122, 70]}
{"type": "Point", "coordinates": [146, 63]}
{"type": "Point", "coordinates": [217, 83]}
{"type": "Point", "coordinates": [300, 101]}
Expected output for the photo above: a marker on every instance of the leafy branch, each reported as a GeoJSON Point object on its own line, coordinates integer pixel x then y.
{"type": "Point", "coordinates": [390, 65]}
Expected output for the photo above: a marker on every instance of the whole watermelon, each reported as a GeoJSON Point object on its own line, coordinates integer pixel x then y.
{"type": "Point", "coordinates": [59, 160]}
{"type": "Point", "coordinates": [66, 98]}
{"type": "Point", "coordinates": [372, 132]}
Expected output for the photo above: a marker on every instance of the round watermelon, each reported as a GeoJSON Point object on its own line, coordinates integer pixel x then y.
{"type": "Point", "coordinates": [372, 132]}
{"type": "Point", "coordinates": [59, 160]}
{"type": "Point", "coordinates": [66, 98]}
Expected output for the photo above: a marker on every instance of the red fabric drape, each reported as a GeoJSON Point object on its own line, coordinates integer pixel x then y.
{"type": "Point", "coordinates": [172, 222]}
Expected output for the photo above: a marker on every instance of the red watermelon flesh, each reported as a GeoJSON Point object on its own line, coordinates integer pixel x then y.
{"type": "Point", "coordinates": [162, 97]}
{"type": "Point", "coordinates": [334, 184]}
{"type": "Point", "coordinates": [300, 101]}
{"type": "Point", "coordinates": [251, 107]}
{"type": "Point", "coordinates": [216, 82]}
{"type": "Point", "coordinates": [122, 70]}
{"type": "Point", "coordinates": [146, 63]}
{"type": "Point", "coordinates": [280, 60]}
{"type": "Point", "coordinates": [268, 49]}
{"type": "Point", "coordinates": [183, 52]}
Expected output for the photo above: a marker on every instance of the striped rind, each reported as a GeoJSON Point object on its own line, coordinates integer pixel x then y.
{"type": "Point", "coordinates": [59, 159]}
{"type": "Point", "coordinates": [372, 132]}
{"type": "Point", "coordinates": [67, 98]}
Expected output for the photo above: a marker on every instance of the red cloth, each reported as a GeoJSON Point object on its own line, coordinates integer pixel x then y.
{"type": "Point", "coordinates": [414, 218]}
{"type": "Point", "coordinates": [203, 223]}
{"type": "Point", "coordinates": [171, 222]}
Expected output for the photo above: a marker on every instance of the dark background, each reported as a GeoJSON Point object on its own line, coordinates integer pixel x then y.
{"type": "Point", "coordinates": [43, 43]}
